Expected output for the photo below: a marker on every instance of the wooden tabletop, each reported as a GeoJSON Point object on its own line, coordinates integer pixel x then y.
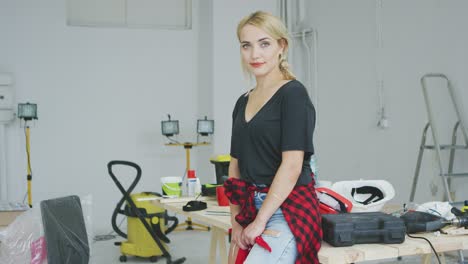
{"type": "Point", "coordinates": [411, 246]}
{"type": "Point", "coordinates": [329, 254]}
{"type": "Point", "coordinates": [218, 216]}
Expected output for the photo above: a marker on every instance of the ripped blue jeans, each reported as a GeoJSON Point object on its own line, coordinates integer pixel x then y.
{"type": "Point", "coordinates": [283, 244]}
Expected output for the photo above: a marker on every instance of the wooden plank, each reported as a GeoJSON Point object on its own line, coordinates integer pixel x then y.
{"type": "Point", "coordinates": [465, 241]}
{"type": "Point", "coordinates": [213, 245]}
{"type": "Point", "coordinates": [446, 243]}
{"type": "Point", "coordinates": [412, 247]}
{"type": "Point", "coordinates": [375, 251]}
{"type": "Point", "coordinates": [442, 243]}
{"type": "Point", "coordinates": [453, 230]}
{"type": "Point", "coordinates": [223, 255]}
{"type": "Point", "coordinates": [338, 255]}
{"type": "Point", "coordinates": [221, 221]}
{"type": "Point", "coordinates": [218, 217]}
{"type": "Point", "coordinates": [174, 208]}
{"type": "Point", "coordinates": [185, 199]}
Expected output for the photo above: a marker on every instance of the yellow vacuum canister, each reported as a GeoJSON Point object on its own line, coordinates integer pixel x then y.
{"type": "Point", "coordinates": [146, 222]}
{"type": "Point", "coordinates": [140, 242]}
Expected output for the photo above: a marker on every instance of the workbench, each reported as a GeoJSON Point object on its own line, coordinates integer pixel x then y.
{"type": "Point", "coordinates": [219, 220]}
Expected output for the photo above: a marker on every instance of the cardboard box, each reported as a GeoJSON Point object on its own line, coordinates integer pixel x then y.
{"type": "Point", "coordinates": [6, 217]}
{"type": "Point", "coordinates": [10, 210]}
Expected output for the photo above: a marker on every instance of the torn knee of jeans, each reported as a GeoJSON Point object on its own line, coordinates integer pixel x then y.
{"type": "Point", "coordinates": [271, 233]}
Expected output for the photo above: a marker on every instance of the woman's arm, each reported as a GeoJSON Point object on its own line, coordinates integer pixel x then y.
{"type": "Point", "coordinates": [234, 173]}
{"type": "Point", "coordinates": [285, 179]}
{"type": "Point", "coordinates": [236, 235]}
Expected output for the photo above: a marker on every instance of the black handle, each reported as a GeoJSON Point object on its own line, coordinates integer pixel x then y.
{"type": "Point", "coordinates": [126, 197]}
{"type": "Point", "coordinates": [118, 208]}
{"type": "Point", "coordinates": [456, 211]}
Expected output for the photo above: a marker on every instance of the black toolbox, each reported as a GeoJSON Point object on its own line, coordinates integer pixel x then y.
{"type": "Point", "coordinates": [347, 229]}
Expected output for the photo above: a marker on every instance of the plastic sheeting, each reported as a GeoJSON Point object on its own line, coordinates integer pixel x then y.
{"type": "Point", "coordinates": [63, 224]}
{"type": "Point", "coordinates": [65, 231]}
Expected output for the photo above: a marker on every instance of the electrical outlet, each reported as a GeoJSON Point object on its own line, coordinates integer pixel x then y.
{"type": "Point", "coordinates": [383, 123]}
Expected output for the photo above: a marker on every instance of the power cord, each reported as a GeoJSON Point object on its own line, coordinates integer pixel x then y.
{"type": "Point", "coordinates": [27, 151]}
{"type": "Point", "coordinates": [173, 140]}
{"type": "Point", "coordinates": [430, 244]}
{"type": "Point", "coordinates": [109, 236]}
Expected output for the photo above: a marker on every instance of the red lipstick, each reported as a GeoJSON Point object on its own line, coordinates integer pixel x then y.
{"type": "Point", "coordinates": [257, 64]}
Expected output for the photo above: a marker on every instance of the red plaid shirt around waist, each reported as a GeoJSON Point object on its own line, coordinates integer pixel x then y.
{"type": "Point", "coordinates": [300, 209]}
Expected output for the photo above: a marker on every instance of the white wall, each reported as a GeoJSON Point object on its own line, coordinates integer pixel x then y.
{"type": "Point", "coordinates": [205, 88]}
{"type": "Point", "coordinates": [418, 37]}
{"type": "Point", "coordinates": [101, 95]}
{"type": "Point", "coordinates": [118, 84]}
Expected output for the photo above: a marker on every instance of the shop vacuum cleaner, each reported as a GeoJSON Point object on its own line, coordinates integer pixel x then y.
{"type": "Point", "coordinates": [146, 222]}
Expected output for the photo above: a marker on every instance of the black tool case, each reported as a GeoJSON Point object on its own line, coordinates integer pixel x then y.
{"type": "Point", "coordinates": [347, 229]}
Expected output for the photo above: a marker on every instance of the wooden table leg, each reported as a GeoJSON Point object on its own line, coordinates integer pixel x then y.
{"type": "Point", "coordinates": [214, 243]}
{"type": "Point", "coordinates": [218, 240]}
{"type": "Point", "coordinates": [442, 258]}
{"type": "Point", "coordinates": [223, 255]}
{"type": "Point", "coordinates": [426, 259]}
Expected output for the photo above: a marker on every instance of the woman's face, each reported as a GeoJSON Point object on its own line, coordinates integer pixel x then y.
{"type": "Point", "coordinates": [260, 51]}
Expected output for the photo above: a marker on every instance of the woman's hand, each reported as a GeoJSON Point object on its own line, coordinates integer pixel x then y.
{"type": "Point", "coordinates": [252, 231]}
{"type": "Point", "coordinates": [236, 235]}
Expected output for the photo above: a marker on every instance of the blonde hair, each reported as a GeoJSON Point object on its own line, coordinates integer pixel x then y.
{"type": "Point", "coordinates": [274, 27]}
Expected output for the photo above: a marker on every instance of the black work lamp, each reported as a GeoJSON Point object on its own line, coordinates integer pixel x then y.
{"type": "Point", "coordinates": [27, 111]}
{"type": "Point", "coordinates": [170, 127]}
{"type": "Point", "coordinates": [205, 127]}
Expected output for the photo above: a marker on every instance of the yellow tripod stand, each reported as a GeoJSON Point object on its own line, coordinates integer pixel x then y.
{"type": "Point", "coordinates": [28, 112]}
{"type": "Point", "coordinates": [29, 176]}
{"type": "Point", "coordinates": [188, 146]}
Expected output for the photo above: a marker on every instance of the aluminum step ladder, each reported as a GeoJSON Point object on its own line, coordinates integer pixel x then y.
{"type": "Point", "coordinates": [438, 147]}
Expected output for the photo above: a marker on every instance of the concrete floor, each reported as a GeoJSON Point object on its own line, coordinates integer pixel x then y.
{"type": "Point", "coordinates": [194, 245]}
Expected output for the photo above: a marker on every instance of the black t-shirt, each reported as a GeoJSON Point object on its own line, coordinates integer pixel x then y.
{"type": "Point", "coordinates": [285, 122]}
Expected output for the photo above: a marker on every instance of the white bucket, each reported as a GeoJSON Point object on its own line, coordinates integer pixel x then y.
{"type": "Point", "coordinates": [172, 186]}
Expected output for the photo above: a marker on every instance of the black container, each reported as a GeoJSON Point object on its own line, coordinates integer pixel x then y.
{"type": "Point", "coordinates": [347, 229]}
{"type": "Point", "coordinates": [221, 164]}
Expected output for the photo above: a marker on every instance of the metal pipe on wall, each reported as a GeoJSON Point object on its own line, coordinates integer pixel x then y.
{"type": "Point", "coordinates": [303, 55]}
{"type": "Point", "coordinates": [303, 50]}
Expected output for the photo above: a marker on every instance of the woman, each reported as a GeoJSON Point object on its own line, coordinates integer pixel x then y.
{"type": "Point", "coordinates": [270, 185]}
